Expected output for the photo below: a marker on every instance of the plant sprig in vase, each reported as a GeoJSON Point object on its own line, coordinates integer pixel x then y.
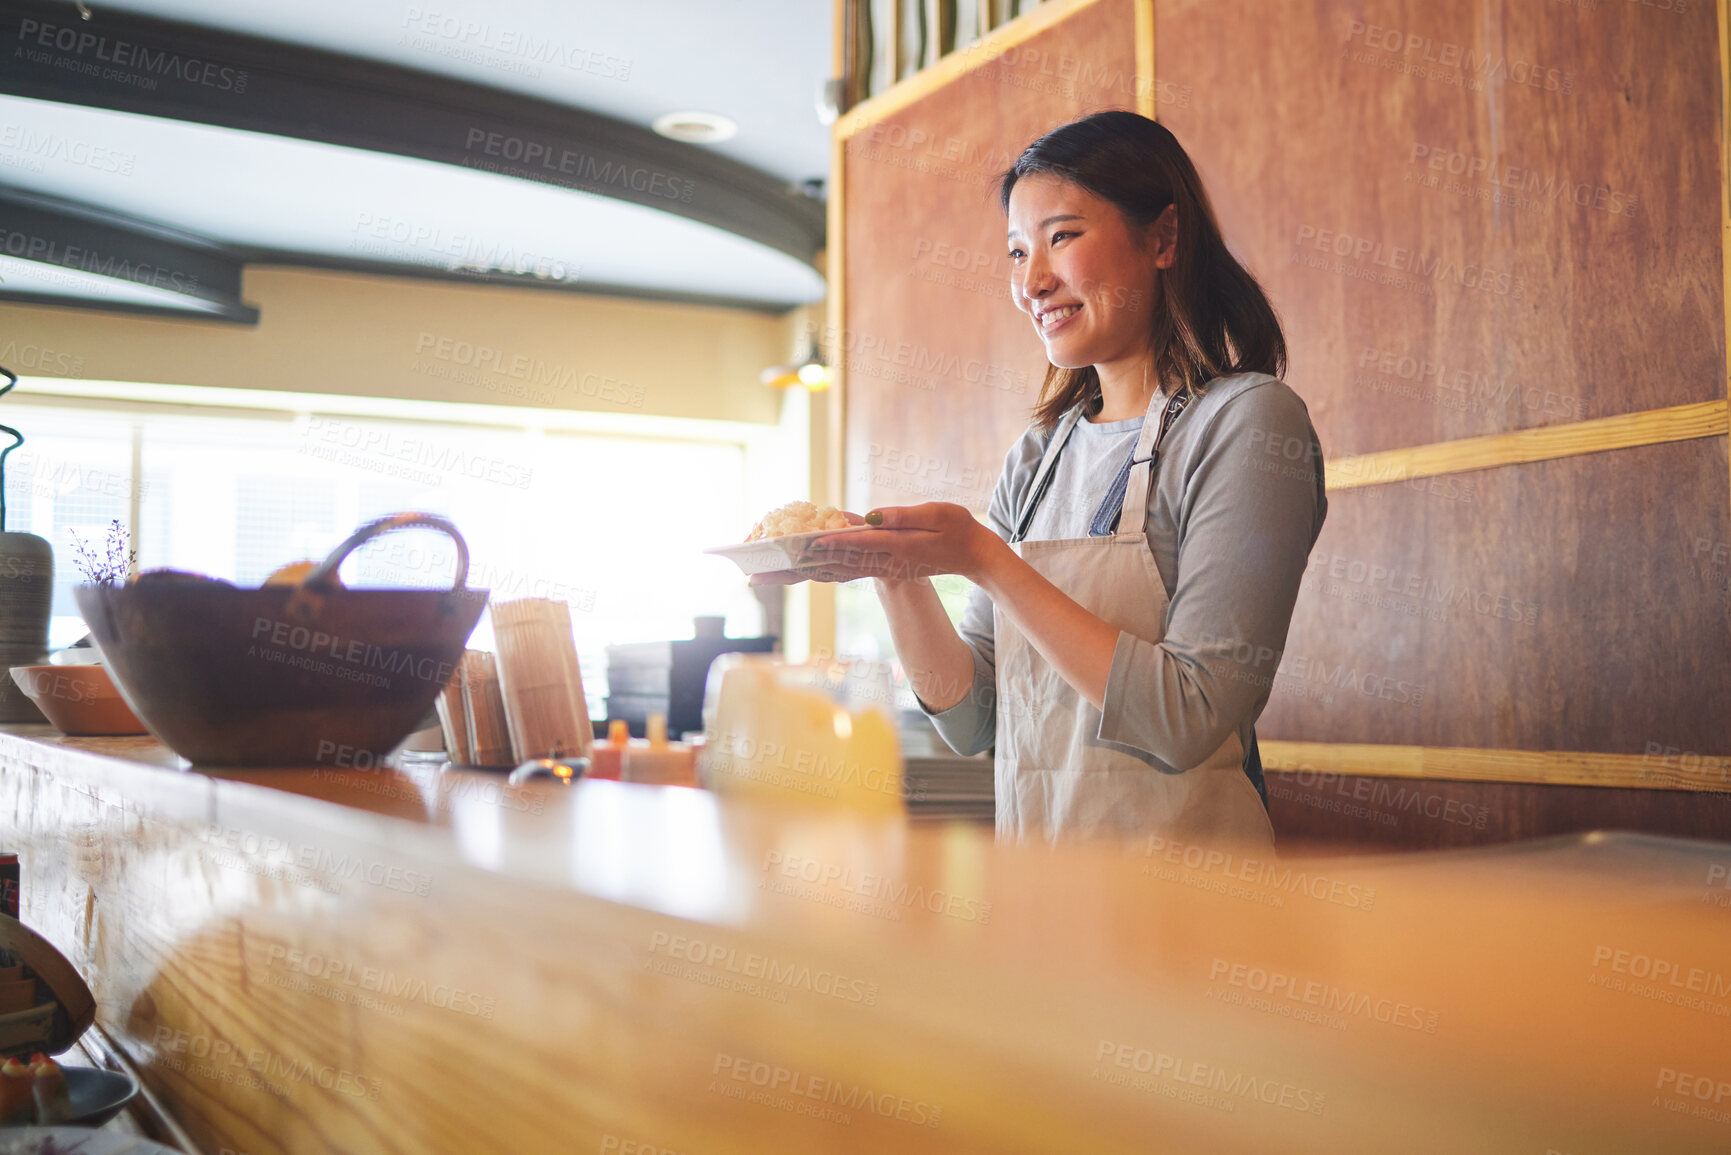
{"type": "Point", "coordinates": [116, 563]}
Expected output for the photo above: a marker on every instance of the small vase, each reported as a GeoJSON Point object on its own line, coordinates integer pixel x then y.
{"type": "Point", "coordinates": [26, 601]}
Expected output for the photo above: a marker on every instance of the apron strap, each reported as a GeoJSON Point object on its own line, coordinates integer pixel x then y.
{"type": "Point", "coordinates": [1138, 471]}
{"type": "Point", "coordinates": [1043, 478]}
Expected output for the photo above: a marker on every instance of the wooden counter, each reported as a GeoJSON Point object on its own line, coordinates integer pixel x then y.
{"type": "Point", "coordinates": [374, 961]}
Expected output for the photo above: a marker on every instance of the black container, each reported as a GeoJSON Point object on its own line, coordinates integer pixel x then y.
{"type": "Point", "coordinates": [26, 601]}
{"type": "Point", "coordinates": [645, 678]}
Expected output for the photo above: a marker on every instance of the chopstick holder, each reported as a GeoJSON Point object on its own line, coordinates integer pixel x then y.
{"type": "Point", "coordinates": [489, 737]}
{"type": "Point", "coordinates": [540, 679]}
{"type": "Point", "coordinates": [453, 719]}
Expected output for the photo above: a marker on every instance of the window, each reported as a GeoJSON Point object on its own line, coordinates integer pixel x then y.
{"type": "Point", "coordinates": [68, 483]}
{"type": "Point", "coordinates": [613, 525]}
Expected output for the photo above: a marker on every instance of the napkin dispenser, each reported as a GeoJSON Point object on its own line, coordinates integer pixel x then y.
{"type": "Point", "coordinates": [771, 732]}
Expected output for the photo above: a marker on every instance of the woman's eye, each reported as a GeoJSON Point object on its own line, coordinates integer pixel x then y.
{"type": "Point", "coordinates": [1056, 237]}
{"type": "Point", "coordinates": [1016, 254]}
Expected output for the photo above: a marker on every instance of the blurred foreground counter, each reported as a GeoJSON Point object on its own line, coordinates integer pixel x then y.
{"type": "Point", "coordinates": [379, 961]}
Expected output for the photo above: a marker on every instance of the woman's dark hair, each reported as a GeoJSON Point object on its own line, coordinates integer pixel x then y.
{"type": "Point", "coordinates": [1211, 318]}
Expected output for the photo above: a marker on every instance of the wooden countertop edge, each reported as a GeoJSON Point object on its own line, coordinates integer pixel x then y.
{"type": "Point", "coordinates": [238, 809]}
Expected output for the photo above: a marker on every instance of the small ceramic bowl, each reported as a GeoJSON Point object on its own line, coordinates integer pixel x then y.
{"type": "Point", "coordinates": [80, 700]}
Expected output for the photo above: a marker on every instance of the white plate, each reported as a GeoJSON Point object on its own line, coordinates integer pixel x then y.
{"type": "Point", "coordinates": [75, 1141]}
{"type": "Point", "coordinates": [776, 554]}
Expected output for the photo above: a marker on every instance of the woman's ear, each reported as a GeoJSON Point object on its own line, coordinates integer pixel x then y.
{"type": "Point", "coordinates": [1164, 232]}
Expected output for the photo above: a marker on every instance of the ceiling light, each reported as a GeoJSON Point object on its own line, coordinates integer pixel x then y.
{"type": "Point", "coordinates": [695, 127]}
{"type": "Point", "coordinates": [809, 370]}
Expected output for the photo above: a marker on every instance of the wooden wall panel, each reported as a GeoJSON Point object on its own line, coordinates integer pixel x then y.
{"type": "Point", "coordinates": [1475, 217]}
{"type": "Point", "coordinates": [941, 371]}
{"type": "Point", "coordinates": [1420, 307]}
{"type": "Point", "coordinates": [1313, 811]}
{"type": "Point", "coordinates": [1575, 604]}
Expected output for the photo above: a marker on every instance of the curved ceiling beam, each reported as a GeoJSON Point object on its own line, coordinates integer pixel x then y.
{"type": "Point", "coordinates": [138, 64]}
{"type": "Point", "coordinates": [82, 239]}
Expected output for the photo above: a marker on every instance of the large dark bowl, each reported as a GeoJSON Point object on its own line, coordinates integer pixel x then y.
{"type": "Point", "coordinates": [95, 1096]}
{"type": "Point", "coordinates": [284, 675]}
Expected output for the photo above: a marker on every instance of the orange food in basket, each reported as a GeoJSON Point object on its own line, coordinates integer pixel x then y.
{"type": "Point", "coordinates": [17, 1102]}
{"type": "Point", "coordinates": [294, 573]}
{"type": "Point", "coordinates": [53, 1103]}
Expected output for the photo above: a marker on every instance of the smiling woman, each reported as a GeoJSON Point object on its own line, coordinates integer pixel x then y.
{"type": "Point", "coordinates": [1127, 620]}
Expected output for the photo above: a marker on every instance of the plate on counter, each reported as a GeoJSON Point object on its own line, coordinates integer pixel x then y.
{"type": "Point", "coordinates": [776, 554]}
{"type": "Point", "coordinates": [76, 1141]}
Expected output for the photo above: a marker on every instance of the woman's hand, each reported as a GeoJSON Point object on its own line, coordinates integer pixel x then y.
{"type": "Point", "coordinates": [909, 542]}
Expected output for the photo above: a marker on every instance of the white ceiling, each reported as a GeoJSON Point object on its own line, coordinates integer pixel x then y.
{"type": "Point", "coordinates": [759, 62]}
{"type": "Point", "coordinates": [271, 192]}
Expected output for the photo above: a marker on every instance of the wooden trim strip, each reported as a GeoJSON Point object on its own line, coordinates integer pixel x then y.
{"type": "Point", "coordinates": [820, 597]}
{"type": "Point", "coordinates": [835, 277]}
{"type": "Point", "coordinates": [897, 34]}
{"type": "Point", "coordinates": [955, 65]}
{"type": "Point", "coordinates": [838, 42]}
{"type": "Point", "coordinates": [1725, 174]}
{"type": "Point", "coordinates": [1663, 769]}
{"type": "Point", "coordinates": [1145, 89]}
{"type": "Point", "coordinates": [1624, 431]}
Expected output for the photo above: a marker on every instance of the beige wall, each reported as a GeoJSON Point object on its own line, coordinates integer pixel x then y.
{"type": "Point", "coordinates": [390, 337]}
{"type": "Point", "coordinates": [328, 332]}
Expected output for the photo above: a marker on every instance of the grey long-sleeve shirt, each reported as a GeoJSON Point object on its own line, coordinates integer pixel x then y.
{"type": "Point", "coordinates": [1236, 505]}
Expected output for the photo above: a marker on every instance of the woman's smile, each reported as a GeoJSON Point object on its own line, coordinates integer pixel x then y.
{"type": "Point", "coordinates": [1051, 318]}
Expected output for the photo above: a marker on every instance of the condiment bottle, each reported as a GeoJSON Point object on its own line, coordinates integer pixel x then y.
{"type": "Point", "coordinates": [609, 753]}
{"type": "Point", "coordinates": [9, 879]}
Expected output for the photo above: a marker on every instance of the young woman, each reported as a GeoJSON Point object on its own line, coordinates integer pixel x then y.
{"type": "Point", "coordinates": [1143, 549]}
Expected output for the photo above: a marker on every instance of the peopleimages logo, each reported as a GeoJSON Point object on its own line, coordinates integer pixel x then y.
{"type": "Point", "coordinates": [421, 459]}
{"type": "Point", "coordinates": [351, 651]}
{"type": "Point", "coordinates": [1326, 996]}
{"type": "Point", "coordinates": [47, 251]}
{"type": "Point", "coordinates": [1673, 974]}
{"type": "Point", "coordinates": [534, 371]}
{"type": "Point", "coordinates": [1370, 254]}
{"type": "Point", "coordinates": [1394, 795]}
{"type": "Point", "coordinates": [1420, 587]}
{"type": "Point", "coordinates": [1477, 389]}
{"type": "Point", "coordinates": [800, 1093]}
{"type": "Point", "coordinates": [545, 157]}
{"type": "Point", "coordinates": [380, 981]}
{"type": "Point", "coordinates": [1227, 865]}
{"type": "Point", "coordinates": [223, 1061]}
{"type": "Point", "coordinates": [425, 27]}
{"type": "Point", "coordinates": [894, 893]}
{"type": "Point", "coordinates": [1302, 669]}
{"type": "Point", "coordinates": [777, 973]}
{"type": "Point", "coordinates": [52, 146]}
{"type": "Point", "coordinates": [1524, 180]}
{"type": "Point", "coordinates": [749, 757]}
{"type": "Point", "coordinates": [237, 847]}
{"type": "Point", "coordinates": [42, 37]}
{"type": "Point", "coordinates": [1482, 68]}
{"type": "Point", "coordinates": [1233, 1087]}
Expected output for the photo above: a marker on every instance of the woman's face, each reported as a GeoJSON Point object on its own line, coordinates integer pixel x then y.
{"type": "Point", "coordinates": [1082, 273]}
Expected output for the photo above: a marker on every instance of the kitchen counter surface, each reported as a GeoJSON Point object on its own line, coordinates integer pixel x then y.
{"type": "Point", "coordinates": [404, 960]}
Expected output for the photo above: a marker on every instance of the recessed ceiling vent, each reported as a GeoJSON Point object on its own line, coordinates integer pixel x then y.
{"type": "Point", "coordinates": [696, 127]}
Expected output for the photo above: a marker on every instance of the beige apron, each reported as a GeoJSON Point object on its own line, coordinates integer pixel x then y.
{"type": "Point", "coordinates": [1055, 777]}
